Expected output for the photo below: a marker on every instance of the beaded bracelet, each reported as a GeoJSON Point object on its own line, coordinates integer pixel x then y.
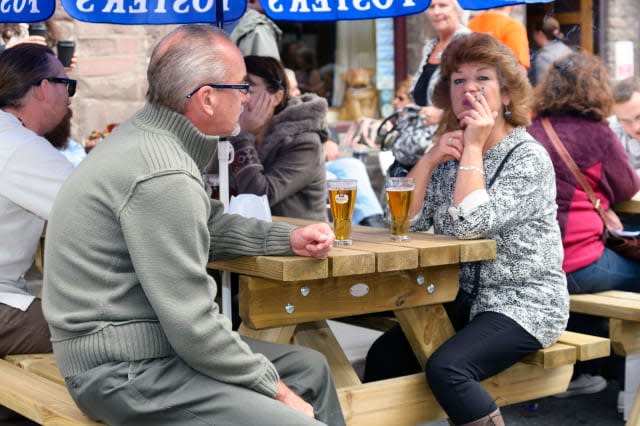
{"type": "Point", "coordinates": [471, 169]}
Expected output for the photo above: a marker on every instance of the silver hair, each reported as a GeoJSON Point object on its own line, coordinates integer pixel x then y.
{"type": "Point", "coordinates": [184, 59]}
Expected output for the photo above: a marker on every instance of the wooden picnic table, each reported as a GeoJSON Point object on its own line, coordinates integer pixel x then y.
{"type": "Point", "coordinates": [629, 206]}
{"type": "Point", "coordinates": [288, 299]}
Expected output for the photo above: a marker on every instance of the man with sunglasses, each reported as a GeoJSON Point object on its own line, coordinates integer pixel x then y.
{"type": "Point", "coordinates": [34, 99]}
{"type": "Point", "coordinates": [135, 329]}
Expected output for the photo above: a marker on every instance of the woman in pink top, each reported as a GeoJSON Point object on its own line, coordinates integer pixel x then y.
{"type": "Point", "coordinates": [576, 96]}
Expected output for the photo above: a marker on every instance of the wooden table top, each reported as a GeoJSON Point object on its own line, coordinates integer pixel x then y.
{"type": "Point", "coordinates": [372, 251]}
{"type": "Point", "coordinates": [630, 206]}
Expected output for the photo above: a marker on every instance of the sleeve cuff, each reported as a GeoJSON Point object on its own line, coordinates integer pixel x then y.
{"type": "Point", "coordinates": [470, 203]}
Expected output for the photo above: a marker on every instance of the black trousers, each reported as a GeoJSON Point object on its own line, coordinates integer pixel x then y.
{"type": "Point", "coordinates": [487, 345]}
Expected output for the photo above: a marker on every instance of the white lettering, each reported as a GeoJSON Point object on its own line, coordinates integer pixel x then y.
{"type": "Point", "coordinates": [18, 6]}
{"type": "Point", "coordinates": [382, 6]}
{"type": "Point", "coordinates": [321, 6]}
{"type": "Point", "coordinates": [357, 4]}
{"type": "Point", "coordinates": [141, 6]}
{"type": "Point", "coordinates": [180, 7]}
{"type": "Point", "coordinates": [198, 8]}
{"type": "Point", "coordinates": [160, 7]}
{"type": "Point", "coordinates": [109, 7]}
{"type": "Point", "coordinates": [342, 5]}
{"type": "Point", "coordinates": [299, 6]}
{"type": "Point", "coordinates": [274, 6]}
{"type": "Point", "coordinates": [82, 6]}
{"type": "Point", "coordinates": [409, 3]}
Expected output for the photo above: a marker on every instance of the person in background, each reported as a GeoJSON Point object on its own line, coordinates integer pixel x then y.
{"type": "Point", "coordinates": [134, 325]}
{"type": "Point", "coordinates": [256, 34]}
{"type": "Point", "coordinates": [367, 210]}
{"type": "Point", "coordinates": [575, 95]}
{"type": "Point", "coordinates": [499, 23]}
{"type": "Point", "coordinates": [307, 73]}
{"type": "Point", "coordinates": [60, 138]}
{"type": "Point", "coordinates": [445, 17]}
{"type": "Point", "coordinates": [402, 96]}
{"type": "Point", "coordinates": [486, 177]}
{"type": "Point", "coordinates": [47, 34]}
{"type": "Point", "coordinates": [548, 38]}
{"type": "Point", "coordinates": [415, 136]}
{"type": "Point", "coordinates": [625, 122]}
{"type": "Point", "coordinates": [278, 152]}
{"type": "Point", "coordinates": [31, 172]}
{"type": "Point", "coordinates": [410, 134]}
{"type": "Point", "coordinates": [34, 98]}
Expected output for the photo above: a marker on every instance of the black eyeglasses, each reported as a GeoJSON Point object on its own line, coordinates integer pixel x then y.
{"type": "Point", "coordinates": [242, 87]}
{"type": "Point", "coordinates": [71, 84]}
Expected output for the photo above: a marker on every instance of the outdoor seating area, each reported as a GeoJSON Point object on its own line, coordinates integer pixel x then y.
{"type": "Point", "coordinates": [320, 213]}
{"type": "Point", "coordinates": [411, 278]}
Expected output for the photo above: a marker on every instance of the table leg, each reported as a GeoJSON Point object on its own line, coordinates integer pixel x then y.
{"type": "Point", "coordinates": [282, 335]}
{"type": "Point", "coordinates": [317, 335]}
{"type": "Point", "coordinates": [426, 328]}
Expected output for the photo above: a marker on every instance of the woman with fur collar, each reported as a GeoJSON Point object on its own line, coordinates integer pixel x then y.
{"type": "Point", "coordinates": [278, 151]}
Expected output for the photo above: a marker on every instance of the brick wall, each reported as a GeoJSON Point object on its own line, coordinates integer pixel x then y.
{"type": "Point", "coordinates": [111, 71]}
{"type": "Point", "coordinates": [622, 25]}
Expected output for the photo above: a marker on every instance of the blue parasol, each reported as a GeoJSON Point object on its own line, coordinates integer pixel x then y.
{"type": "Point", "coordinates": [336, 10]}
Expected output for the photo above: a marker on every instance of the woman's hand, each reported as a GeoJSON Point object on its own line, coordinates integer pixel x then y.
{"type": "Point", "coordinates": [257, 113]}
{"type": "Point", "coordinates": [478, 121]}
{"type": "Point", "coordinates": [448, 146]}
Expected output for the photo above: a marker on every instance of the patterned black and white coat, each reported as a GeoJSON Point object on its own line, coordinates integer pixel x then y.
{"type": "Point", "coordinates": [525, 282]}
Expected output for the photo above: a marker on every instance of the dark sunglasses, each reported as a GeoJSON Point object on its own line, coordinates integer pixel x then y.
{"type": "Point", "coordinates": [242, 87]}
{"type": "Point", "coordinates": [71, 84]}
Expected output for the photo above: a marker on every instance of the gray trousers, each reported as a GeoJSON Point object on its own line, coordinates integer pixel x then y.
{"type": "Point", "coordinates": [166, 391]}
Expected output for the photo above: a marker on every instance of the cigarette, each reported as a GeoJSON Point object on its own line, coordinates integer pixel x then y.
{"type": "Point", "coordinates": [480, 93]}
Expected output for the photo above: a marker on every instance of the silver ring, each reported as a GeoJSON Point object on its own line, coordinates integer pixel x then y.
{"type": "Point", "coordinates": [450, 141]}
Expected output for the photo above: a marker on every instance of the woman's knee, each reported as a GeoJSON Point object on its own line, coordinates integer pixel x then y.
{"type": "Point", "coordinates": [442, 370]}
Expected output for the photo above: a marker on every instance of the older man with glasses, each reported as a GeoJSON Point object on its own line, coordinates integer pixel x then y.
{"type": "Point", "coordinates": [626, 119]}
{"type": "Point", "coordinates": [34, 99]}
{"type": "Point", "coordinates": [135, 328]}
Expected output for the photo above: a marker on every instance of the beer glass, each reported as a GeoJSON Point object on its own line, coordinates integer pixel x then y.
{"type": "Point", "coordinates": [342, 198]}
{"type": "Point", "coordinates": [399, 196]}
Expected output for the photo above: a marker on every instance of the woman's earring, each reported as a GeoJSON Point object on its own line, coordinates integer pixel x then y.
{"type": "Point", "coordinates": [506, 113]}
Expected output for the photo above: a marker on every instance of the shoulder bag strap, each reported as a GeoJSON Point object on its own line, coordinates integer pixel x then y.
{"type": "Point", "coordinates": [476, 272]}
{"type": "Point", "coordinates": [566, 157]}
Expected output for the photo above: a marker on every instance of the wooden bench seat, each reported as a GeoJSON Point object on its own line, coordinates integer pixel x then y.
{"type": "Point", "coordinates": [623, 310]}
{"type": "Point", "coordinates": [32, 386]}
{"type": "Point", "coordinates": [408, 400]}
{"type": "Point", "coordinates": [40, 399]}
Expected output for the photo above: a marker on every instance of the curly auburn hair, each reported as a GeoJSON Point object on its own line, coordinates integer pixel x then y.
{"type": "Point", "coordinates": [576, 85]}
{"type": "Point", "coordinates": [484, 49]}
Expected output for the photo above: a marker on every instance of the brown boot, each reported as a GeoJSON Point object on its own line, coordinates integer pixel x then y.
{"type": "Point", "coordinates": [493, 419]}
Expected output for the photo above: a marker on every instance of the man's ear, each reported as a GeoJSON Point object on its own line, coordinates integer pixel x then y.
{"type": "Point", "coordinates": [40, 90]}
{"type": "Point", "coordinates": [208, 101]}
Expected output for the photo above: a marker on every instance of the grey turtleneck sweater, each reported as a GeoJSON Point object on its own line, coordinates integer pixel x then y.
{"type": "Point", "coordinates": [127, 245]}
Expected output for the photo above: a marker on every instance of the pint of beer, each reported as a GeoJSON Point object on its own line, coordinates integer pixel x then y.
{"type": "Point", "coordinates": [342, 198]}
{"type": "Point", "coordinates": [399, 196]}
